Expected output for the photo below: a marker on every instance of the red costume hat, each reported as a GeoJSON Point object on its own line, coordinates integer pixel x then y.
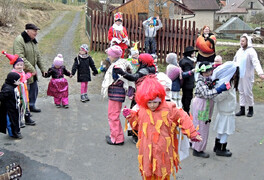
{"type": "Point", "coordinates": [148, 90]}
{"type": "Point", "coordinates": [118, 16]}
{"type": "Point", "coordinates": [11, 57]}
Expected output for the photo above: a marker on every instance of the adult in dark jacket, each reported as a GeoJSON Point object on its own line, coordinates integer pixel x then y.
{"type": "Point", "coordinates": [187, 65]}
{"type": "Point", "coordinates": [26, 47]}
{"type": "Point", "coordinates": [82, 64]}
{"type": "Point", "coordinates": [9, 97]}
{"type": "Point", "coordinates": [146, 66]}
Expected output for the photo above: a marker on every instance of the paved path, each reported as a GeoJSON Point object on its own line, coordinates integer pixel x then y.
{"type": "Point", "coordinates": [70, 144]}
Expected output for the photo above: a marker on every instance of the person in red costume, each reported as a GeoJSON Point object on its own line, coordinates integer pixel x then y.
{"type": "Point", "coordinates": [156, 121]}
{"type": "Point", "coordinates": [206, 45]}
{"type": "Point", "coordinates": [117, 34]}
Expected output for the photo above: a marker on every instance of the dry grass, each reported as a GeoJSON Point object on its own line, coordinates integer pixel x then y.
{"type": "Point", "coordinates": [38, 12]}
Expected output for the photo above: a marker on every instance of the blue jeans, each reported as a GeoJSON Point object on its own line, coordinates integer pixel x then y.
{"type": "Point", "coordinates": [33, 93]}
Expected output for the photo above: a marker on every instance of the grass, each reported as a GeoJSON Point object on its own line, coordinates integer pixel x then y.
{"type": "Point", "coordinates": [48, 43]}
{"type": "Point", "coordinates": [228, 40]}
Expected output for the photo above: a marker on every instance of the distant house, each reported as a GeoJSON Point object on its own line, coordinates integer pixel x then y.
{"type": "Point", "coordinates": [244, 9]}
{"type": "Point", "coordinates": [233, 29]}
{"type": "Point", "coordinates": [143, 9]}
{"type": "Point", "coordinates": [204, 12]}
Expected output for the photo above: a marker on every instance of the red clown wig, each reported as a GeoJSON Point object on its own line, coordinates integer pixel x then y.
{"type": "Point", "coordinates": [148, 90]}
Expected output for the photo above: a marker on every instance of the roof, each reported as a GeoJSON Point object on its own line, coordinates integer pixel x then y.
{"type": "Point", "coordinates": [233, 7]}
{"type": "Point", "coordinates": [234, 24]}
{"type": "Point", "coordinates": [182, 6]}
{"type": "Point", "coordinates": [201, 5]}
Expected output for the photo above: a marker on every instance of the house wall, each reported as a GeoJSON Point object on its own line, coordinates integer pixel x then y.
{"type": "Point", "coordinates": [134, 7]}
{"type": "Point", "coordinates": [203, 18]}
{"type": "Point", "coordinates": [144, 6]}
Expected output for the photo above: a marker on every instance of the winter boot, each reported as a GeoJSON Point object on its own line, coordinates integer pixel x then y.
{"type": "Point", "coordinates": [217, 144]}
{"type": "Point", "coordinates": [250, 111]}
{"type": "Point", "coordinates": [86, 97]}
{"type": "Point", "coordinates": [222, 151]}
{"type": "Point", "coordinates": [28, 120]}
{"type": "Point", "coordinates": [200, 154]}
{"type": "Point", "coordinates": [83, 98]}
{"type": "Point", "coordinates": [241, 112]}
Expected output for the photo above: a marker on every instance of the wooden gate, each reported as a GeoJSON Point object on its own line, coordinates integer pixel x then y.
{"type": "Point", "coordinates": [173, 37]}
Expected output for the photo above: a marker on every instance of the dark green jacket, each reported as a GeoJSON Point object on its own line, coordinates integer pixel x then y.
{"type": "Point", "coordinates": [28, 50]}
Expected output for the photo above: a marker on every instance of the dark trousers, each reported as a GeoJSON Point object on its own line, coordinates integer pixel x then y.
{"type": "Point", "coordinates": [187, 95]}
{"type": "Point", "coordinates": [33, 93]}
{"type": "Point", "coordinates": [150, 45]}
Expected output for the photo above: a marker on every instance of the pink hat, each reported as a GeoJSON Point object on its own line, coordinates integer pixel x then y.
{"type": "Point", "coordinates": [58, 60]}
{"type": "Point", "coordinates": [114, 51]}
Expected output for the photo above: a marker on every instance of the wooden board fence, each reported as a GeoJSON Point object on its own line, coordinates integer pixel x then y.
{"type": "Point", "coordinates": [174, 36]}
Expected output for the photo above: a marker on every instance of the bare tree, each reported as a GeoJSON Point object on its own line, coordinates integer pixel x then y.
{"type": "Point", "coordinates": [258, 18]}
{"type": "Point", "coordinates": [156, 6]}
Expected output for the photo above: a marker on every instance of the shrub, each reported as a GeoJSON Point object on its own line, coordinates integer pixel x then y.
{"type": "Point", "coordinates": [9, 9]}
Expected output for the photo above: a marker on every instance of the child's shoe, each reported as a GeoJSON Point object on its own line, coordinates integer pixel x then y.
{"type": "Point", "coordinates": [66, 106]}
{"type": "Point", "coordinates": [57, 105]}
{"type": "Point", "coordinates": [2, 153]}
{"type": "Point", "coordinates": [17, 136]}
{"type": "Point", "coordinates": [83, 99]}
{"type": "Point", "coordinates": [86, 97]}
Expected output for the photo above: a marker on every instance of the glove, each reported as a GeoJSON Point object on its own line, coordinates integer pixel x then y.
{"type": "Point", "coordinates": [118, 70]}
{"type": "Point", "coordinates": [126, 112]}
{"type": "Point", "coordinates": [197, 138]}
{"type": "Point", "coordinates": [94, 73]}
{"type": "Point", "coordinates": [126, 41]}
{"type": "Point", "coordinates": [116, 40]}
{"type": "Point", "coordinates": [223, 87]}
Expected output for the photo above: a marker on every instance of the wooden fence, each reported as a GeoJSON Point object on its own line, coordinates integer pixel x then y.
{"type": "Point", "coordinates": [173, 37]}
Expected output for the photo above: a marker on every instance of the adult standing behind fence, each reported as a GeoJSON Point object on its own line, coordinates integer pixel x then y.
{"type": "Point", "coordinates": [247, 59]}
{"type": "Point", "coordinates": [150, 34]}
{"type": "Point", "coordinates": [26, 46]}
{"type": "Point", "coordinates": [117, 34]}
{"type": "Point", "coordinates": [206, 45]}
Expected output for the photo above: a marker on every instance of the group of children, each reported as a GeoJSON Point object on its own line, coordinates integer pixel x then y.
{"type": "Point", "coordinates": [14, 97]}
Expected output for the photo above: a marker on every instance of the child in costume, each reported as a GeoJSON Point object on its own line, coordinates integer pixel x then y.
{"type": "Point", "coordinates": [217, 61]}
{"type": "Point", "coordinates": [82, 64]}
{"type": "Point", "coordinates": [202, 106]}
{"type": "Point", "coordinates": [115, 87]}
{"type": "Point", "coordinates": [225, 106]}
{"type": "Point", "coordinates": [151, 29]}
{"type": "Point", "coordinates": [156, 121]}
{"type": "Point", "coordinates": [133, 58]}
{"type": "Point", "coordinates": [187, 66]}
{"type": "Point", "coordinates": [58, 85]}
{"type": "Point", "coordinates": [18, 67]}
{"type": "Point", "coordinates": [10, 105]}
{"type": "Point", "coordinates": [174, 72]}
{"type": "Point", "coordinates": [117, 34]}
{"type": "Point", "coordinates": [146, 66]}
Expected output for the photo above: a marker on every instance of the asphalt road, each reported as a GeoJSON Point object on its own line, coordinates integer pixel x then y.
{"type": "Point", "coordinates": [70, 144]}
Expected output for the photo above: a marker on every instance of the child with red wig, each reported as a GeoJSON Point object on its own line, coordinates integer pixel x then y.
{"type": "Point", "coordinates": [156, 121]}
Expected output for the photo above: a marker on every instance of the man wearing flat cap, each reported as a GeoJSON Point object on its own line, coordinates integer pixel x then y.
{"type": "Point", "coordinates": [26, 46]}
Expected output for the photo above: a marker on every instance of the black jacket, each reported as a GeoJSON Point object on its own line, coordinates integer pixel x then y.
{"type": "Point", "coordinates": [187, 65]}
{"type": "Point", "coordinates": [83, 66]}
{"type": "Point", "coordinates": [9, 107]}
{"type": "Point", "coordinates": [57, 73]}
{"type": "Point", "coordinates": [143, 70]}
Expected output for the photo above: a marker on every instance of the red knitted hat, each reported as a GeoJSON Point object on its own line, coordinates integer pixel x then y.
{"type": "Point", "coordinates": [146, 59]}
